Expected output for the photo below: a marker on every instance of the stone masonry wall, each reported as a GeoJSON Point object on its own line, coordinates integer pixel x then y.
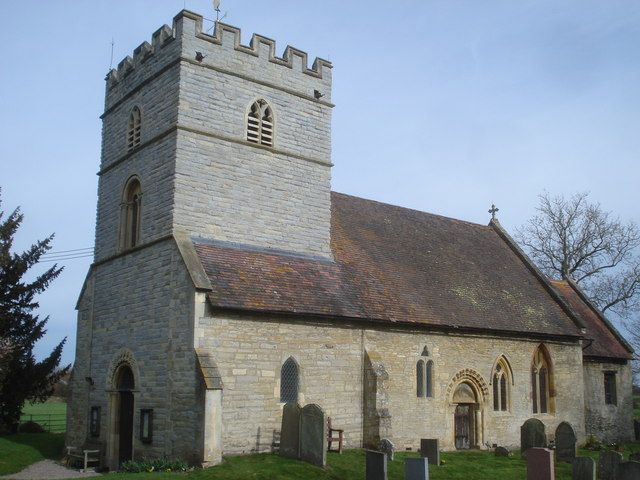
{"type": "Point", "coordinates": [250, 351]}
{"type": "Point", "coordinates": [143, 303]}
{"type": "Point", "coordinates": [609, 423]}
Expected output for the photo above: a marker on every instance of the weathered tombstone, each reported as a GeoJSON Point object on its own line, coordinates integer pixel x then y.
{"type": "Point", "coordinates": [629, 471]}
{"type": "Point", "coordinates": [376, 465]}
{"type": "Point", "coordinates": [313, 435]}
{"type": "Point", "coordinates": [429, 448]}
{"type": "Point", "coordinates": [583, 468]}
{"type": "Point", "coordinates": [290, 431]}
{"type": "Point", "coordinates": [608, 464]}
{"type": "Point", "coordinates": [540, 464]}
{"type": "Point", "coordinates": [532, 435]}
{"type": "Point", "coordinates": [636, 428]}
{"type": "Point", "coordinates": [634, 457]}
{"type": "Point", "coordinates": [565, 443]}
{"type": "Point", "coordinates": [416, 468]}
{"type": "Point", "coordinates": [502, 452]}
{"type": "Point", "coordinates": [386, 446]}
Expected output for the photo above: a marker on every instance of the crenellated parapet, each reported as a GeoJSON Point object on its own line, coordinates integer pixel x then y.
{"type": "Point", "coordinates": [188, 41]}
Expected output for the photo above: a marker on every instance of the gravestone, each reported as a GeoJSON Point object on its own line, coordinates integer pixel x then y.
{"type": "Point", "coordinates": [376, 465]}
{"type": "Point", "coordinates": [634, 457]}
{"type": "Point", "coordinates": [629, 471]}
{"type": "Point", "coordinates": [565, 443]}
{"type": "Point", "coordinates": [502, 452]}
{"type": "Point", "coordinates": [416, 468]}
{"type": "Point", "coordinates": [636, 428]}
{"type": "Point", "coordinates": [429, 448]}
{"type": "Point", "coordinates": [290, 431]}
{"type": "Point", "coordinates": [583, 468]}
{"type": "Point", "coordinates": [540, 464]}
{"type": "Point", "coordinates": [313, 435]}
{"type": "Point", "coordinates": [386, 446]}
{"type": "Point", "coordinates": [608, 464]}
{"type": "Point", "coordinates": [532, 435]}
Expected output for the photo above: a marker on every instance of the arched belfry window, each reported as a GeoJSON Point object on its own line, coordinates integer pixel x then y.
{"type": "Point", "coordinates": [130, 214]}
{"type": "Point", "coordinates": [260, 123]}
{"type": "Point", "coordinates": [541, 381]}
{"type": "Point", "coordinates": [289, 381]}
{"type": "Point", "coordinates": [424, 376]}
{"type": "Point", "coordinates": [133, 129]}
{"type": "Point", "coordinates": [501, 380]}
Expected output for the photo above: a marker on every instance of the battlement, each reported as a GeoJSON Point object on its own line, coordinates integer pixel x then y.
{"type": "Point", "coordinates": [188, 28]}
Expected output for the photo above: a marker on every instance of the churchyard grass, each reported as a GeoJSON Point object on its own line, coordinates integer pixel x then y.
{"type": "Point", "coordinates": [21, 450]}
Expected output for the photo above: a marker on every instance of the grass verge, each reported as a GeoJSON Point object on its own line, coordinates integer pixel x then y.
{"type": "Point", "coordinates": [21, 450]}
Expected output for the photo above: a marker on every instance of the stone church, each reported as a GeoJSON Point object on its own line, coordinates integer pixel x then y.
{"type": "Point", "coordinates": [229, 279]}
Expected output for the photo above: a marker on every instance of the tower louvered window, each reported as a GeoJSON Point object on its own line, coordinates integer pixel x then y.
{"type": "Point", "coordinates": [260, 124]}
{"type": "Point", "coordinates": [133, 130]}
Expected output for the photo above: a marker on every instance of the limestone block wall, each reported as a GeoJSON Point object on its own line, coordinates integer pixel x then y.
{"type": "Point", "coordinates": [233, 190]}
{"type": "Point", "coordinates": [249, 353]}
{"type": "Point", "coordinates": [609, 423]}
{"type": "Point", "coordinates": [143, 305]}
{"type": "Point", "coordinates": [154, 165]}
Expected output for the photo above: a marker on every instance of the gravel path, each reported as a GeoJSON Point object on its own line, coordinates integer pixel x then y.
{"type": "Point", "coordinates": [48, 469]}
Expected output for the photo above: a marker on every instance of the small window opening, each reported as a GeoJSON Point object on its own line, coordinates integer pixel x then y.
{"type": "Point", "coordinates": [133, 131]}
{"type": "Point", "coordinates": [289, 381]}
{"type": "Point", "coordinates": [260, 124]}
{"type": "Point", "coordinates": [610, 392]}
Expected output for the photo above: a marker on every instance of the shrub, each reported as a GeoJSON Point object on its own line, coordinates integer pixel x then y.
{"type": "Point", "coordinates": [31, 427]}
{"type": "Point", "coordinates": [162, 464]}
{"type": "Point", "coordinates": [593, 443]}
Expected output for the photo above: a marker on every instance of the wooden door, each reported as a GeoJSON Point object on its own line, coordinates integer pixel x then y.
{"type": "Point", "coordinates": [463, 427]}
{"type": "Point", "coordinates": [126, 426]}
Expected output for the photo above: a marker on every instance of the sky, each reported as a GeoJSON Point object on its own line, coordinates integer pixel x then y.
{"type": "Point", "coordinates": [442, 106]}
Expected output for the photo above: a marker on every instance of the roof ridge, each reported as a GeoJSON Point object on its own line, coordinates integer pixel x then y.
{"type": "Point", "coordinates": [400, 207]}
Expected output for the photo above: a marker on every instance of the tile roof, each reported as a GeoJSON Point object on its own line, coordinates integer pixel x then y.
{"type": "Point", "coordinates": [602, 338]}
{"type": "Point", "coordinates": [392, 264]}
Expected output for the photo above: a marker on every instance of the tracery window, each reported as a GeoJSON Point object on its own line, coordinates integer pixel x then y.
{"type": "Point", "coordinates": [541, 376]}
{"type": "Point", "coordinates": [133, 130]}
{"type": "Point", "coordinates": [260, 123]}
{"type": "Point", "coordinates": [289, 381]}
{"type": "Point", "coordinates": [501, 387]}
{"type": "Point", "coordinates": [424, 378]}
{"type": "Point", "coordinates": [130, 214]}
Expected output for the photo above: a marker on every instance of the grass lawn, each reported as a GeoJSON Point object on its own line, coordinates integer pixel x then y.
{"type": "Point", "coordinates": [52, 414]}
{"type": "Point", "coordinates": [18, 451]}
{"type": "Point", "coordinates": [21, 450]}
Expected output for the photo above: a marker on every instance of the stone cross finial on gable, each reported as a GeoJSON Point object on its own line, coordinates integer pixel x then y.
{"type": "Point", "coordinates": [493, 210]}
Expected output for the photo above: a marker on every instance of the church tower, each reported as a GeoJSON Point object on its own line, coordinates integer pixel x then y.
{"type": "Point", "coordinates": [205, 136]}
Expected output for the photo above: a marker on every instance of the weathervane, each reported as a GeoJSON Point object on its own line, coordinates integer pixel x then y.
{"type": "Point", "coordinates": [216, 7]}
{"type": "Point", "coordinates": [493, 210]}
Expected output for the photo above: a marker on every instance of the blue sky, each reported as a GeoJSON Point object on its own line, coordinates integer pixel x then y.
{"type": "Point", "coordinates": [443, 106]}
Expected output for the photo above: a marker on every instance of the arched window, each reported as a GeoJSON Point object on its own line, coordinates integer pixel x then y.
{"type": "Point", "coordinates": [260, 123]}
{"type": "Point", "coordinates": [541, 381]}
{"type": "Point", "coordinates": [424, 378]}
{"type": "Point", "coordinates": [420, 378]}
{"type": "Point", "coordinates": [130, 214]}
{"type": "Point", "coordinates": [289, 381]}
{"type": "Point", "coordinates": [500, 398]}
{"type": "Point", "coordinates": [133, 130]}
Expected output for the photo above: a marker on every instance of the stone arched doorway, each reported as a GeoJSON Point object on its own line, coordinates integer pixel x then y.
{"type": "Point", "coordinates": [125, 384]}
{"type": "Point", "coordinates": [467, 393]}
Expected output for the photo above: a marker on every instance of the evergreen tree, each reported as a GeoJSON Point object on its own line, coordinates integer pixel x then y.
{"type": "Point", "coordinates": [23, 378]}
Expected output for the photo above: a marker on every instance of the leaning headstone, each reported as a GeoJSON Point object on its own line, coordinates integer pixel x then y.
{"type": "Point", "coordinates": [565, 443]}
{"type": "Point", "coordinates": [584, 468]}
{"type": "Point", "coordinates": [629, 471]}
{"type": "Point", "coordinates": [608, 464]}
{"type": "Point", "coordinates": [290, 431]}
{"type": "Point", "coordinates": [376, 465]}
{"type": "Point", "coordinates": [313, 435]}
{"type": "Point", "coordinates": [429, 448]}
{"type": "Point", "coordinates": [636, 429]}
{"type": "Point", "coordinates": [502, 452]}
{"type": "Point", "coordinates": [532, 435]}
{"type": "Point", "coordinates": [634, 457]}
{"type": "Point", "coordinates": [416, 468]}
{"type": "Point", "coordinates": [386, 446]}
{"type": "Point", "coordinates": [540, 464]}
